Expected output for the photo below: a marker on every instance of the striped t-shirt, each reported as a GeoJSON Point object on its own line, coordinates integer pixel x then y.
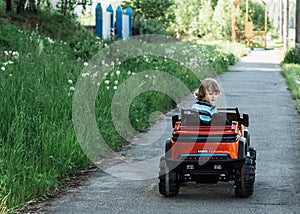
{"type": "Point", "coordinates": [205, 109]}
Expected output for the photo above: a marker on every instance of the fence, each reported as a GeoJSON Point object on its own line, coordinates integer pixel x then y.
{"type": "Point", "coordinates": [106, 28]}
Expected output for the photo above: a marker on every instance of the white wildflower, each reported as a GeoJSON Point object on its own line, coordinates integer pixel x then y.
{"type": "Point", "coordinates": [118, 72]}
{"type": "Point", "coordinates": [115, 87]}
{"type": "Point", "coordinates": [2, 68]}
{"type": "Point", "coordinates": [116, 82]}
{"type": "Point", "coordinates": [85, 64]}
{"type": "Point", "coordinates": [106, 82]}
{"type": "Point", "coordinates": [129, 72]}
{"type": "Point", "coordinates": [72, 88]}
{"type": "Point", "coordinates": [85, 75]}
{"type": "Point", "coordinates": [95, 75]}
{"type": "Point", "coordinates": [70, 81]}
{"type": "Point", "coordinates": [107, 87]}
{"type": "Point", "coordinates": [15, 54]}
{"type": "Point", "coordinates": [51, 41]}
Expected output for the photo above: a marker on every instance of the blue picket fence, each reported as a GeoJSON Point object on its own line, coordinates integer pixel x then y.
{"type": "Point", "coordinates": [106, 28]}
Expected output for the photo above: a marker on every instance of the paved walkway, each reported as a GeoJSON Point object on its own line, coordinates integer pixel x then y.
{"type": "Point", "coordinates": [259, 90]}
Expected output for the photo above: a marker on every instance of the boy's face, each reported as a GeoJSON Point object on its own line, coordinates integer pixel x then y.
{"type": "Point", "coordinates": [212, 96]}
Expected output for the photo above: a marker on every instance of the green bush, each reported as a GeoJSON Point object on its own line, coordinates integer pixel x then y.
{"type": "Point", "coordinates": [143, 25]}
{"type": "Point", "coordinates": [291, 57]}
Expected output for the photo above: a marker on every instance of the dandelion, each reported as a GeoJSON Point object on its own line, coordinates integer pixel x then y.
{"type": "Point", "coordinates": [2, 68]}
{"type": "Point", "coordinates": [106, 82]}
{"type": "Point", "coordinates": [115, 87]}
{"type": "Point", "coordinates": [15, 54]}
{"type": "Point", "coordinates": [70, 81]}
{"type": "Point", "coordinates": [116, 82]}
{"type": "Point", "coordinates": [72, 88]}
{"type": "Point", "coordinates": [118, 72]}
{"type": "Point", "coordinates": [107, 87]}
{"type": "Point", "coordinates": [85, 64]}
{"type": "Point", "coordinates": [85, 75]}
{"type": "Point", "coordinates": [51, 41]}
{"type": "Point", "coordinates": [95, 75]}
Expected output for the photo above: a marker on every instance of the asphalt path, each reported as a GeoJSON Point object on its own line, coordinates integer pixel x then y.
{"type": "Point", "coordinates": [257, 87]}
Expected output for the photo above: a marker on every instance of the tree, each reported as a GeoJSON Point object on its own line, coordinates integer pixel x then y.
{"type": "Point", "coordinates": [151, 16]}
{"type": "Point", "coordinates": [9, 6]}
{"type": "Point", "coordinates": [205, 19]}
{"type": "Point", "coordinates": [222, 20]}
{"type": "Point", "coordinates": [187, 16]}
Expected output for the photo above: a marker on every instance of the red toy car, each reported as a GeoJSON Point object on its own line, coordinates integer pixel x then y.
{"type": "Point", "coordinates": [210, 153]}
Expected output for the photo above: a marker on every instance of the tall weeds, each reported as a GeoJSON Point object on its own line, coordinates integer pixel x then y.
{"type": "Point", "coordinates": [38, 146]}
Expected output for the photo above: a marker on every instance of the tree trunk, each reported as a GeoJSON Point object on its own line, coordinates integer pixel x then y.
{"type": "Point", "coordinates": [9, 6]}
{"type": "Point", "coordinates": [297, 39]}
{"type": "Point", "coordinates": [21, 6]}
{"type": "Point", "coordinates": [286, 25]}
{"type": "Point", "coordinates": [31, 6]}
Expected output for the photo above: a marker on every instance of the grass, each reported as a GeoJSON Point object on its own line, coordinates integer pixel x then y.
{"type": "Point", "coordinates": [292, 74]}
{"type": "Point", "coordinates": [41, 60]}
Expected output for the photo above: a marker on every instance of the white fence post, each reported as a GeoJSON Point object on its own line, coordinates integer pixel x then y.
{"type": "Point", "coordinates": [106, 25]}
{"type": "Point", "coordinates": [125, 26]}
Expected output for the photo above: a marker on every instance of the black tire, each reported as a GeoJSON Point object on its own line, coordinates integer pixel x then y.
{"type": "Point", "coordinates": [168, 180]}
{"type": "Point", "coordinates": [252, 152]}
{"type": "Point", "coordinates": [245, 178]}
{"type": "Point", "coordinates": [247, 136]}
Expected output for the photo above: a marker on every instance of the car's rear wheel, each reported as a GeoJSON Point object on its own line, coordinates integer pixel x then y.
{"type": "Point", "coordinates": [244, 178]}
{"type": "Point", "coordinates": [168, 180]}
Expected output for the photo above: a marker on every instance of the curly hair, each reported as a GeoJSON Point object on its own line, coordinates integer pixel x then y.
{"type": "Point", "coordinates": [208, 84]}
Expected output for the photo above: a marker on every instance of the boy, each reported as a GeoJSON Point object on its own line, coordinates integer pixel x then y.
{"type": "Point", "coordinates": [208, 93]}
